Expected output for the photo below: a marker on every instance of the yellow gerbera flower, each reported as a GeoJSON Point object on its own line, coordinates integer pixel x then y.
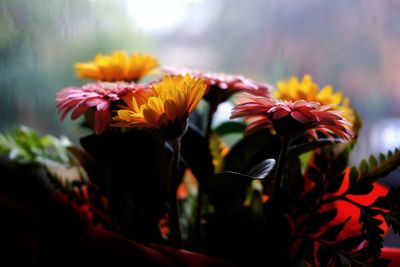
{"type": "Point", "coordinates": [117, 67]}
{"type": "Point", "coordinates": [294, 89]}
{"type": "Point", "coordinates": [165, 107]}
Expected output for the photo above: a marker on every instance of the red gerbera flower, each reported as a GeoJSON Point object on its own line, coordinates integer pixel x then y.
{"type": "Point", "coordinates": [291, 118]}
{"type": "Point", "coordinates": [94, 95]}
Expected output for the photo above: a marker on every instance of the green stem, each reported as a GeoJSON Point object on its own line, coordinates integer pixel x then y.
{"type": "Point", "coordinates": [200, 198]}
{"type": "Point", "coordinates": [210, 116]}
{"type": "Point", "coordinates": [280, 174]}
{"type": "Point", "coordinates": [176, 237]}
{"type": "Point", "coordinates": [275, 210]}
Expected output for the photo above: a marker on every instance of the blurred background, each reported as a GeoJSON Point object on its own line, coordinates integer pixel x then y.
{"type": "Point", "coordinates": [352, 45]}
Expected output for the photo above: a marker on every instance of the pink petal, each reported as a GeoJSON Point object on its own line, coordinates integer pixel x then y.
{"type": "Point", "coordinates": [91, 102]}
{"type": "Point", "coordinates": [71, 103]}
{"type": "Point", "coordinates": [223, 85]}
{"type": "Point", "coordinates": [65, 112]}
{"type": "Point", "coordinates": [280, 114]}
{"type": "Point", "coordinates": [300, 116]}
{"type": "Point", "coordinates": [78, 111]}
{"type": "Point", "coordinates": [103, 105]}
{"type": "Point", "coordinates": [279, 106]}
{"type": "Point", "coordinates": [257, 124]}
{"type": "Point", "coordinates": [102, 119]}
{"type": "Point", "coordinates": [327, 107]}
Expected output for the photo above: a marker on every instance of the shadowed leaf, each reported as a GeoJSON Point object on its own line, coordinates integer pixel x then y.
{"type": "Point", "coordinates": [196, 153]}
{"type": "Point", "coordinates": [298, 149]}
{"type": "Point", "coordinates": [262, 169]}
{"type": "Point", "coordinates": [251, 150]}
{"type": "Point", "coordinates": [319, 220]}
{"type": "Point", "coordinates": [333, 232]}
{"type": "Point", "coordinates": [230, 127]}
{"type": "Point", "coordinates": [351, 242]}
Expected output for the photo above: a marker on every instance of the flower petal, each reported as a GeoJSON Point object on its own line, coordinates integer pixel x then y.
{"type": "Point", "coordinates": [300, 116]}
{"type": "Point", "coordinates": [102, 120]}
{"type": "Point", "coordinates": [280, 113]}
{"type": "Point", "coordinates": [78, 111]}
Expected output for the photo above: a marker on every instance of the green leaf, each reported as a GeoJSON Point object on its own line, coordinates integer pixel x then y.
{"type": "Point", "coordinates": [137, 165]}
{"type": "Point", "coordinates": [262, 169]}
{"type": "Point", "coordinates": [251, 150]}
{"type": "Point", "coordinates": [299, 149]}
{"type": "Point", "coordinates": [371, 172]}
{"type": "Point", "coordinates": [361, 189]}
{"type": "Point", "coordinates": [364, 168]}
{"type": "Point", "coordinates": [95, 171]}
{"type": "Point", "coordinates": [227, 190]}
{"type": "Point", "coordinates": [353, 175]}
{"type": "Point", "coordinates": [305, 159]}
{"type": "Point", "coordinates": [372, 161]}
{"type": "Point", "coordinates": [307, 200]}
{"type": "Point", "coordinates": [371, 226]}
{"type": "Point", "coordinates": [25, 146]}
{"type": "Point", "coordinates": [196, 153]}
{"type": "Point", "coordinates": [382, 157]}
{"type": "Point", "coordinates": [315, 175]}
{"type": "Point", "coordinates": [230, 127]}
{"type": "Point", "coordinates": [334, 184]}
{"type": "Point", "coordinates": [229, 184]}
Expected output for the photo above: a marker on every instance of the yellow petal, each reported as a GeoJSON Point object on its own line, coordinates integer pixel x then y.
{"type": "Point", "coordinates": [151, 117]}
{"type": "Point", "coordinates": [171, 109]}
{"type": "Point", "coordinates": [155, 104]}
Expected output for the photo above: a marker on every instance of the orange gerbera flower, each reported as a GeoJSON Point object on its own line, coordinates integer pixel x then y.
{"type": "Point", "coordinates": [291, 118]}
{"type": "Point", "coordinates": [117, 67]}
{"type": "Point", "coordinates": [164, 108]}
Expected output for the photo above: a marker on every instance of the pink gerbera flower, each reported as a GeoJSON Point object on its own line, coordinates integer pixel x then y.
{"type": "Point", "coordinates": [291, 118]}
{"type": "Point", "coordinates": [221, 85]}
{"type": "Point", "coordinates": [99, 96]}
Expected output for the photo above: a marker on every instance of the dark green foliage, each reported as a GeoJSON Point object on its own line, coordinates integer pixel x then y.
{"type": "Point", "coordinates": [241, 222]}
{"type": "Point", "coordinates": [196, 153]}
{"type": "Point", "coordinates": [251, 150]}
{"type": "Point", "coordinates": [27, 147]}
{"type": "Point", "coordinates": [24, 145]}
{"type": "Point", "coordinates": [229, 128]}
{"type": "Point", "coordinates": [135, 185]}
{"type": "Point", "coordinates": [370, 171]}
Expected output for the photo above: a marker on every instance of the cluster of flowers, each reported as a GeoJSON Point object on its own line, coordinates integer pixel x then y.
{"type": "Point", "coordinates": [294, 210]}
{"type": "Point", "coordinates": [164, 105]}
